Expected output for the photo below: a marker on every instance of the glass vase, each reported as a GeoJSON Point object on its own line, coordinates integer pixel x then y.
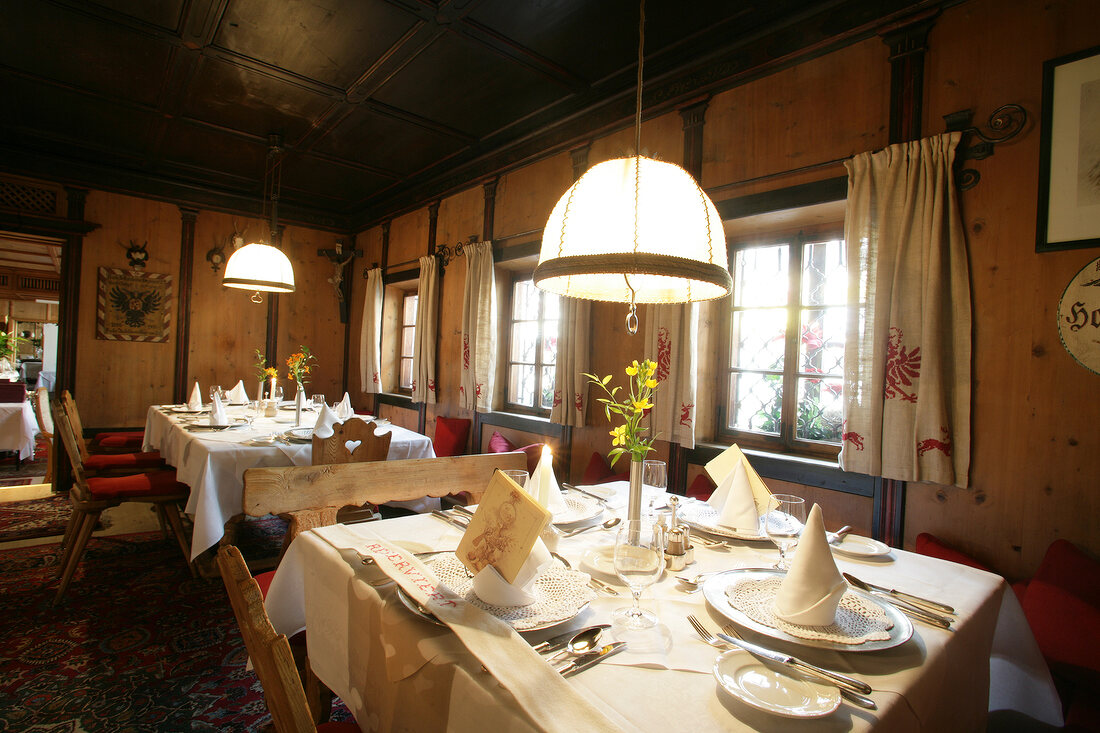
{"type": "Point", "coordinates": [299, 400]}
{"type": "Point", "coordinates": [634, 503]}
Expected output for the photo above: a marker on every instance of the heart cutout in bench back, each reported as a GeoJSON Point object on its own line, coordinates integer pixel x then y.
{"type": "Point", "coordinates": [351, 445]}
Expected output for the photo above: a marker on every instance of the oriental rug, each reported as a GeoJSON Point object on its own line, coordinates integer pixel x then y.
{"type": "Point", "coordinates": [45, 517]}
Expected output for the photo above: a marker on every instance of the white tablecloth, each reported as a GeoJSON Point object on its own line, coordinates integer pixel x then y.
{"type": "Point", "coordinates": [213, 463]}
{"type": "Point", "coordinates": [390, 666]}
{"type": "Point", "coordinates": [18, 427]}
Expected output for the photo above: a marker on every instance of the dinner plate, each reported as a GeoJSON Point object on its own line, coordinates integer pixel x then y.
{"type": "Point", "coordinates": [761, 687]}
{"type": "Point", "coordinates": [714, 590]}
{"type": "Point", "coordinates": [302, 433]}
{"type": "Point", "coordinates": [702, 516]}
{"type": "Point", "coordinates": [602, 560]}
{"type": "Point", "coordinates": [189, 411]}
{"type": "Point", "coordinates": [857, 546]}
{"type": "Point", "coordinates": [579, 508]}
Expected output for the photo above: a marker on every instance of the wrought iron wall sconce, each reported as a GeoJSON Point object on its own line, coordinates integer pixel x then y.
{"type": "Point", "coordinates": [1006, 122]}
{"type": "Point", "coordinates": [216, 254]}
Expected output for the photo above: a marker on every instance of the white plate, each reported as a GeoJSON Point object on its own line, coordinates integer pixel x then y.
{"type": "Point", "coordinates": [857, 546]}
{"type": "Point", "coordinates": [602, 560]}
{"type": "Point", "coordinates": [304, 433]}
{"type": "Point", "coordinates": [759, 686]}
{"type": "Point", "coordinates": [714, 590]}
{"type": "Point", "coordinates": [189, 411]}
{"type": "Point", "coordinates": [579, 509]}
{"type": "Point", "coordinates": [701, 515]}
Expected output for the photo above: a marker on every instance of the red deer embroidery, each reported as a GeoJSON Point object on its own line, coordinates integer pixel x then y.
{"type": "Point", "coordinates": [431, 385]}
{"type": "Point", "coordinates": [375, 377]}
{"type": "Point", "coordinates": [466, 352]}
{"type": "Point", "coordinates": [557, 397]}
{"type": "Point", "coordinates": [664, 354]}
{"type": "Point", "coordinates": [477, 390]}
{"type": "Point", "coordinates": [851, 437]}
{"type": "Point", "coordinates": [578, 402]}
{"type": "Point", "coordinates": [685, 413]}
{"type": "Point", "coordinates": [414, 386]}
{"type": "Point", "coordinates": [928, 444]}
{"type": "Point", "coordinates": [902, 368]}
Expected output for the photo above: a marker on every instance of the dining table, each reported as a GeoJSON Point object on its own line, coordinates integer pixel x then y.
{"type": "Point", "coordinates": [213, 461]}
{"type": "Point", "coordinates": [396, 668]}
{"type": "Point", "coordinates": [18, 426]}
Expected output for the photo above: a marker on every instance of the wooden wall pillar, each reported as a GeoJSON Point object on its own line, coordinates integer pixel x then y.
{"type": "Point", "coordinates": [67, 326]}
{"type": "Point", "coordinates": [183, 300]}
{"type": "Point", "coordinates": [908, 42]}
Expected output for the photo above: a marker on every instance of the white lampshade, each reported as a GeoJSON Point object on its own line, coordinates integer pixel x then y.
{"type": "Point", "coordinates": [259, 267]}
{"type": "Point", "coordinates": [635, 230]}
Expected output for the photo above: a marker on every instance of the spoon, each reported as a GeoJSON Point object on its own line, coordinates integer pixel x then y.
{"type": "Point", "coordinates": [584, 641]}
{"type": "Point", "coordinates": [696, 579]}
{"type": "Point", "coordinates": [837, 536]}
{"type": "Point", "coordinates": [606, 525]}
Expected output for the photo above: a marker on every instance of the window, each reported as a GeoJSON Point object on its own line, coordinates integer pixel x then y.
{"type": "Point", "coordinates": [532, 348]}
{"type": "Point", "coordinates": [785, 370]}
{"type": "Point", "coordinates": [408, 340]}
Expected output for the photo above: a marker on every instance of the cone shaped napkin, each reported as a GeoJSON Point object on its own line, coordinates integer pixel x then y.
{"type": "Point", "coordinates": [496, 591]}
{"type": "Point", "coordinates": [813, 587]}
{"type": "Point", "coordinates": [344, 410]}
{"type": "Point", "coordinates": [323, 427]}
{"type": "Point", "coordinates": [237, 395]}
{"type": "Point", "coordinates": [194, 402]}
{"type": "Point", "coordinates": [217, 412]}
{"type": "Point", "coordinates": [734, 501]}
{"type": "Point", "coordinates": [544, 486]}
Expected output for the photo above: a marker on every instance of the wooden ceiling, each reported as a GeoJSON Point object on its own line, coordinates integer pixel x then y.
{"type": "Point", "coordinates": [381, 104]}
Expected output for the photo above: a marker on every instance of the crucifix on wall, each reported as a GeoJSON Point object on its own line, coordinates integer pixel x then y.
{"type": "Point", "coordinates": [340, 257]}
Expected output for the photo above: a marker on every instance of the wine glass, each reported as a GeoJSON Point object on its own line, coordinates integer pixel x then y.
{"type": "Point", "coordinates": [520, 477]}
{"type": "Point", "coordinates": [217, 391]}
{"type": "Point", "coordinates": [318, 401]}
{"type": "Point", "coordinates": [654, 481]}
{"type": "Point", "coordinates": [783, 524]}
{"type": "Point", "coordinates": [277, 394]}
{"type": "Point", "coordinates": [639, 560]}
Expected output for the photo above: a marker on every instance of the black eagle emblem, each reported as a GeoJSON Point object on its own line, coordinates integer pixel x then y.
{"type": "Point", "coordinates": [135, 306]}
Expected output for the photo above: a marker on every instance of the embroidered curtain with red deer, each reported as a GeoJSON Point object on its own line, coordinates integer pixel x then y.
{"type": "Point", "coordinates": [427, 324]}
{"type": "Point", "coordinates": [572, 362]}
{"type": "Point", "coordinates": [907, 353]}
{"type": "Point", "coordinates": [670, 336]}
{"type": "Point", "coordinates": [370, 334]}
{"type": "Point", "coordinates": [479, 318]}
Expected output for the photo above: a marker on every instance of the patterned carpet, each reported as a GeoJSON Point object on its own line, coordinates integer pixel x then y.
{"type": "Point", "coordinates": [137, 645]}
{"type": "Point", "coordinates": [45, 517]}
{"type": "Point", "coordinates": [27, 468]}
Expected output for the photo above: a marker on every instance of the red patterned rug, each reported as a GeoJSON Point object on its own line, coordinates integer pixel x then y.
{"type": "Point", "coordinates": [45, 517]}
{"type": "Point", "coordinates": [137, 644]}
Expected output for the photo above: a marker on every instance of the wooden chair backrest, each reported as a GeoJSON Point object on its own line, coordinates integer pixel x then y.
{"type": "Point", "coordinates": [65, 430]}
{"type": "Point", "coordinates": [372, 446]}
{"type": "Point", "coordinates": [68, 405]}
{"type": "Point", "coordinates": [270, 652]}
{"type": "Point", "coordinates": [312, 495]}
{"type": "Point", "coordinates": [42, 412]}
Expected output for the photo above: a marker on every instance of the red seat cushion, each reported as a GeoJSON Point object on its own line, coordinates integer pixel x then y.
{"type": "Point", "coordinates": [119, 440]}
{"type": "Point", "coordinates": [598, 472]}
{"type": "Point", "coordinates": [264, 581]}
{"type": "Point", "coordinates": [136, 461]}
{"type": "Point", "coordinates": [1062, 605]}
{"type": "Point", "coordinates": [534, 454]}
{"type": "Point", "coordinates": [929, 544]}
{"type": "Point", "coordinates": [701, 488]}
{"type": "Point", "coordinates": [450, 436]}
{"type": "Point", "coordinates": [499, 444]}
{"type": "Point", "coordinates": [154, 483]}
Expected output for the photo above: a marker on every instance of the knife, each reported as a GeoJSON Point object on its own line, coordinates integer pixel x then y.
{"type": "Point", "coordinates": [600, 585]}
{"type": "Point", "coordinates": [833, 678]}
{"type": "Point", "coordinates": [585, 661]}
{"type": "Point", "coordinates": [558, 642]}
{"type": "Point", "coordinates": [449, 520]}
{"type": "Point", "coordinates": [915, 600]}
{"type": "Point", "coordinates": [579, 490]}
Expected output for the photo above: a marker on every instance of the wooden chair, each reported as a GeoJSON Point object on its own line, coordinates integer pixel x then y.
{"type": "Point", "coordinates": [42, 413]}
{"type": "Point", "coordinates": [91, 495]}
{"type": "Point", "coordinates": [95, 464]}
{"type": "Point", "coordinates": [312, 495]}
{"type": "Point", "coordinates": [119, 441]}
{"type": "Point", "coordinates": [270, 652]}
{"type": "Point", "coordinates": [370, 445]}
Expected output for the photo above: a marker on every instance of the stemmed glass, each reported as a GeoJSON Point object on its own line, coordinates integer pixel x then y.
{"type": "Point", "coordinates": [217, 391]}
{"type": "Point", "coordinates": [654, 481]}
{"type": "Point", "coordinates": [639, 560]}
{"type": "Point", "coordinates": [783, 524]}
{"type": "Point", "coordinates": [318, 401]}
{"type": "Point", "coordinates": [277, 394]}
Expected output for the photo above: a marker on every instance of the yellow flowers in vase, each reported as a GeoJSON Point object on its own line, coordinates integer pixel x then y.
{"type": "Point", "coordinates": [630, 438]}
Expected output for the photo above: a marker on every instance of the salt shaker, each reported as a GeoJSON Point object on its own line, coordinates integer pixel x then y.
{"type": "Point", "coordinates": [678, 552]}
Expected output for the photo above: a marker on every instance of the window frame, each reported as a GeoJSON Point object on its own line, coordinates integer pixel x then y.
{"type": "Point", "coordinates": [401, 328]}
{"type": "Point", "coordinates": [786, 442]}
{"type": "Point", "coordinates": [509, 321]}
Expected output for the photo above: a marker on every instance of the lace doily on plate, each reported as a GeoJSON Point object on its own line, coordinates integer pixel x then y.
{"type": "Point", "coordinates": [701, 515]}
{"type": "Point", "coordinates": [560, 594]}
{"type": "Point", "coordinates": [857, 619]}
{"type": "Point", "coordinates": [578, 508]}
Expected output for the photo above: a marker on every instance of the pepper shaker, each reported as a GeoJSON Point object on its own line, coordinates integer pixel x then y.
{"type": "Point", "coordinates": [678, 552]}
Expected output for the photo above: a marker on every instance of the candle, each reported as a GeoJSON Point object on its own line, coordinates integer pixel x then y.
{"type": "Point", "coordinates": [272, 393]}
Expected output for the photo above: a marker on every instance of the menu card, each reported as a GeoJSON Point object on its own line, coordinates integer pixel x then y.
{"type": "Point", "coordinates": [503, 529]}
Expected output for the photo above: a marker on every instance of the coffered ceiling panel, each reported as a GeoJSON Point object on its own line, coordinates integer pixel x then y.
{"type": "Point", "coordinates": [163, 13]}
{"type": "Point", "coordinates": [386, 142]}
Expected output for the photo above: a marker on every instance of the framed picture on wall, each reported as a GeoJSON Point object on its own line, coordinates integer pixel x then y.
{"type": "Point", "coordinates": [132, 305]}
{"type": "Point", "coordinates": [1069, 153]}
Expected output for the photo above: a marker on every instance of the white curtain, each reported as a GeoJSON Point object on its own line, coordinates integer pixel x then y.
{"type": "Point", "coordinates": [907, 353]}
{"type": "Point", "coordinates": [670, 337]}
{"type": "Point", "coordinates": [479, 318]}
{"type": "Point", "coordinates": [572, 361]}
{"type": "Point", "coordinates": [427, 315]}
{"type": "Point", "coordinates": [370, 334]}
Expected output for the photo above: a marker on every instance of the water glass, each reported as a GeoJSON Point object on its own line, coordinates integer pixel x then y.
{"type": "Point", "coordinates": [654, 483]}
{"type": "Point", "coordinates": [783, 524]}
{"type": "Point", "coordinates": [277, 394]}
{"type": "Point", "coordinates": [219, 392]}
{"type": "Point", "coordinates": [639, 561]}
{"type": "Point", "coordinates": [520, 477]}
{"type": "Point", "coordinates": [318, 402]}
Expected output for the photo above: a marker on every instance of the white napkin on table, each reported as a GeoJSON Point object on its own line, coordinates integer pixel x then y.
{"type": "Point", "coordinates": [323, 427]}
{"type": "Point", "coordinates": [217, 412]}
{"type": "Point", "coordinates": [813, 587]}
{"type": "Point", "coordinates": [543, 485]}
{"type": "Point", "coordinates": [237, 395]}
{"type": "Point", "coordinates": [194, 402]}
{"type": "Point", "coordinates": [734, 502]}
{"type": "Point", "coordinates": [490, 587]}
{"type": "Point", "coordinates": [344, 410]}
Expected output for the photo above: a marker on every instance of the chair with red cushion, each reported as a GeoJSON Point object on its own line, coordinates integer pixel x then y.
{"type": "Point", "coordinates": [499, 444]}
{"type": "Point", "coordinates": [599, 472]}
{"type": "Point", "coordinates": [929, 544]}
{"type": "Point", "coordinates": [451, 434]}
{"type": "Point", "coordinates": [270, 653]}
{"type": "Point", "coordinates": [91, 495]}
{"type": "Point", "coordinates": [96, 464]}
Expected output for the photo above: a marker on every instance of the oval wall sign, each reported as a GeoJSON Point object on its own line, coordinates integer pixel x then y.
{"type": "Point", "coordinates": [1079, 317]}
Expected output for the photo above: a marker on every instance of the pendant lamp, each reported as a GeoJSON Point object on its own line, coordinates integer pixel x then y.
{"type": "Point", "coordinates": [635, 230]}
{"type": "Point", "coordinates": [259, 266]}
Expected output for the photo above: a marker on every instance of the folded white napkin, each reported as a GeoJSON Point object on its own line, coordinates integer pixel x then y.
{"type": "Point", "coordinates": [734, 502]}
{"type": "Point", "coordinates": [344, 410]}
{"type": "Point", "coordinates": [323, 427]}
{"type": "Point", "coordinates": [237, 395]}
{"type": "Point", "coordinates": [543, 485]}
{"type": "Point", "coordinates": [194, 402]}
{"type": "Point", "coordinates": [813, 587]}
{"type": "Point", "coordinates": [217, 412]}
{"type": "Point", "coordinates": [490, 587]}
